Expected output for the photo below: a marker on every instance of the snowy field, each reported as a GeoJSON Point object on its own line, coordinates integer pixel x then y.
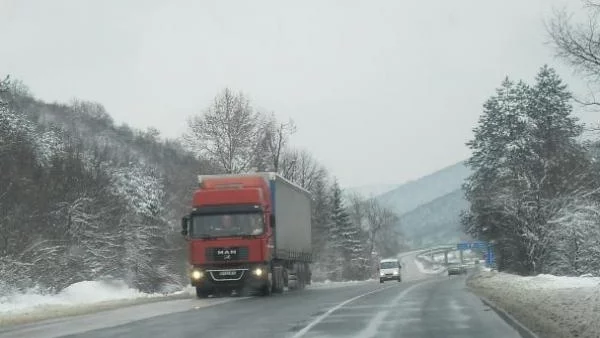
{"type": "Point", "coordinates": [79, 298]}
{"type": "Point", "coordinates": [551, 306]}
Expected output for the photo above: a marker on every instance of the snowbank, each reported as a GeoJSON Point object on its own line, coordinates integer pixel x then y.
{"type": "Point", "coordinates": [329, 284]}
{"type": "Point", "coordinates": [431, 269]}
{"type": "Point", "coordinates": [551, 306]}
{"type": "Point", "coordinates": [77, 298]}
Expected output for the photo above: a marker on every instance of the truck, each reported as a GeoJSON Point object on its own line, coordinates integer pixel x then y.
{"type": "Point", "coordinates": [248, 233]}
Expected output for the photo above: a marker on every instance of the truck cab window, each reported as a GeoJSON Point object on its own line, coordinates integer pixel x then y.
{"type": "Point", "coordinates": [220, 225]}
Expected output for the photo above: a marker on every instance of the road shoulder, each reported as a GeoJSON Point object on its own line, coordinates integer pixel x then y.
{"type": "Point", "coordinates": [547, 309]}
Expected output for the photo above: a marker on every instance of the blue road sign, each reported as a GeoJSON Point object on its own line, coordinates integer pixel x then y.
{"type": "Point", "coordinates": [490, 258]}
{"type": "Point", "coordinates": [471, 245]}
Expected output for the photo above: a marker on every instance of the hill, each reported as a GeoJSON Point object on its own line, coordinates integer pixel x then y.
{"type": "Point", "coordinates": [373, 190]}
{"type": "Point", "coordinates": [436, 222]}
{"type": "Point", "coordinates": [429, 207]}
{"type": "Point", "coordinates": [413, 194]}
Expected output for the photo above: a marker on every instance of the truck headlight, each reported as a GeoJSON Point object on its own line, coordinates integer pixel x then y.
{"type": "Point", "coordinates": [258, 272]}
{"type": "Point", "coordinates": [395, 272]}
{"type": "Point", "coordinates": [197, 274]}
{"type": "Point", "coordinates": [381, 273]}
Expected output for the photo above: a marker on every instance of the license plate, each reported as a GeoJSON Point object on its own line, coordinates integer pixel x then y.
{"type": "Point", "coordinates": [227, 273]}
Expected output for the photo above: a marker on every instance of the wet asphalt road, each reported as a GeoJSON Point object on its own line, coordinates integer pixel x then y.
{"type": "Point", "coordinates": [435, 307]}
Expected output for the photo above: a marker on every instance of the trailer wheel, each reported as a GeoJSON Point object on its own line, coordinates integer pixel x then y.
{"type": "Point", "coordinates": [301, 280]}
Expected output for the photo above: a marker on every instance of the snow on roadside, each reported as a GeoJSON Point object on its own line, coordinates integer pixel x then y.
{"type": "Point", "coordinates": [552, 306]}
{"type": "Point", "coordinates": [329, 284]}
{"type": "Point", "coordinates": [436, 268]}
{"type": "Point", "coordinates": [87, 292]}
{"type": "Point", "coordinates": [82, 297]}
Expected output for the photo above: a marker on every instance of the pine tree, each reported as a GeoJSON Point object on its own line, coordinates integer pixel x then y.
{"type": "Point", "coordinates": [346, 236]}
{"type": "Point", "coordinates": [525, 156]}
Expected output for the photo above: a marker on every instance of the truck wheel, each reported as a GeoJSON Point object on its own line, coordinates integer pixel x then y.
{"type": "Point", "coordinates": [266, 290]}
{"type": "Point", "coordinates": [278, 280]}
{"type": "Point", "coordinates": [302, 276]}
{"type": "Point", "coordinates": [399, 279]}
{"type": "Point", "coordinates": [277, 286]}
{"type": "Point", "coordinates": [302, 281]}
{"type": "Point", "coordinates": [380, 280]}
{"type": "Point", "coordinates": [200, 293]}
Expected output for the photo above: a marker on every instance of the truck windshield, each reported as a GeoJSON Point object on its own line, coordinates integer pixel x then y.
{"type": "Point", "coordinates": [224, 225]}
{"type": "Point", "coordinates": [389, 265]}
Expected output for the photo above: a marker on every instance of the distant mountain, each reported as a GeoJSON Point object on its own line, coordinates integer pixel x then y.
{"type": "Point", "coordinates": [429, 207]}
{"type": "Point", "coordinates": [436, 222]}
{"type": "Point", "coordinates": [372, 190]}
{"type": "Point", "coordinates": [413, 194]}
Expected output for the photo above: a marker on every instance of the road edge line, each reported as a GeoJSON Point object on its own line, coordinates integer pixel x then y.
{"type": "Point", "coordinates": [523, 330]}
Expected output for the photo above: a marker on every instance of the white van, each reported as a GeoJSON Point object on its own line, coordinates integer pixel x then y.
{"type": "Point", "coordinates": [389, 269]}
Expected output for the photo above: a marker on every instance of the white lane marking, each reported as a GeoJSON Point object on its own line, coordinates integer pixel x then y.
{"type": "Point", "coordinates": [330, 311]}
{"type": "Point", "coordinates": [371, 330]}
{"type": "Point", "coordinates": [319, 319]}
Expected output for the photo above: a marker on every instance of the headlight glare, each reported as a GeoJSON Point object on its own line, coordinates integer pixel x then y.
{"type": "Point", "coordinates": [258, 272]}
{"type": "Point", "coordinates": [197, 274]}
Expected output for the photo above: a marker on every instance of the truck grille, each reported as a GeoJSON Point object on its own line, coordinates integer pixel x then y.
{"type": "Point", "coordinates": [226, 254]}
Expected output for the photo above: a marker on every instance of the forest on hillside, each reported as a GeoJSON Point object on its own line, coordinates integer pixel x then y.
{"type": "Point", "coordinates": [82, 198]}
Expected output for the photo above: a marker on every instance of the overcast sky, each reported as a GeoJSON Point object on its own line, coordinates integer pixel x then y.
{"type": "Point", "coordinates": [381, 91]}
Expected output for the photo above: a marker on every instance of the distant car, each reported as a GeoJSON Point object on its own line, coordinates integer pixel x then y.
{"type": "Point", "coordinates": [389, 269]}
{"type": "Point", "coordinates": [456, 269]}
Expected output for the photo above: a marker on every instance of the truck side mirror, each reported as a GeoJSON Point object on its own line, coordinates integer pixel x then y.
{"type": "Point", "coordinates": [272, 219]}
{"type": "Point", "coordinates": [184, 225]}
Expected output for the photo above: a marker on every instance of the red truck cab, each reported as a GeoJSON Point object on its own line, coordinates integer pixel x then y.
{"type": "Point", "coordinates": [229, 232]}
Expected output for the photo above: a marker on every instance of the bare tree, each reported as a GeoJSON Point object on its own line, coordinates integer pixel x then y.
{"type": "Point", "coordinates": [300, 167]}
{"type": "Point", "coordinates": [381, 222]}
{"type": "Point", "coordinates": [227, 133]}
{"type": "Point", "coordinates": [579, 44]}
{"type": "Point", "coordinates": [273, 140]}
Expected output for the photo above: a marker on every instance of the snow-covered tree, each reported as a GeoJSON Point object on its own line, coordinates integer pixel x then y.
{"type": "Point", "coordinates": [525, 155]}
{"type": "Point", "coordinates": [345, 237]}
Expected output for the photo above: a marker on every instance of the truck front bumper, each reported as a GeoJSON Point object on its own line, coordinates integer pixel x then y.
{"type": "Point", "coordinates": [231, 279]}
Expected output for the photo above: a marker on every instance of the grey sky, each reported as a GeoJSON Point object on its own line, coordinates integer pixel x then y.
{"type": "Point", "coordinates": [381, 91]}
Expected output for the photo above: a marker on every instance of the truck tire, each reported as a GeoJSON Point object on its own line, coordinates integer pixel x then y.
{"type": "Point", "coordinates": [266, 290]}
{"type": "Point", "coordinates": [200, 293]}
{"type": "Point", "coordinates": [278, 280]}
{"type": "Point", "coordinates": [278, 285]}
{"type": "Point", "coordinates": [302, 276]}
{"type": "Point", "coordinates": [301, 280]}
